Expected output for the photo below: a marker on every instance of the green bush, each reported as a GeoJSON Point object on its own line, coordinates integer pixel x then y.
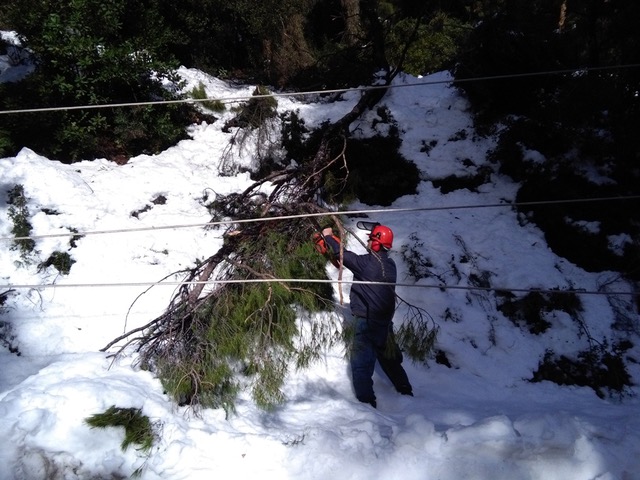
{"type": "Point", "coordinates": [294, 132]}
{"type": "Point", "coordinates": [19, 215]}
{"type": "Point", "coordinates": [255, 112]}
{"type": "Point", "coordinates": [6, 144]}
{"type": "Point", "coordinates": [199, 93]}
{"type": "Point", "coordinates": [603, 371]}
{"type": "Point", "coordinates": [138, 429]}
{"type": "Point", "coordinates": [531, 309]}
{"type": "Point", "coordinates": [89, 52]}
{"type": "Point", "coordinates": [434, 47]}
{"type": "Point", "coordinates": [61, 261]}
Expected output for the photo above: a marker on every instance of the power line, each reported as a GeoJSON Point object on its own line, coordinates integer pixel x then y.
{"type": "Point", "coordinates": [320, 92]}
{"type": "Point", "coordinates": [325, 214]}
{"type": "Point", "coordinates": [311, 280]}
{"type": "Point", "coordinates": [350, 212]}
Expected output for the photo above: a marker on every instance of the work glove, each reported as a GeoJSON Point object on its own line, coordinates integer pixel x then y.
{"type": "Point", "coordinates": [320, 244]}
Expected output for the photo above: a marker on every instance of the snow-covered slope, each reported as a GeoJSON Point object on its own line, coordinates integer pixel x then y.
{"type": "Point", "coordinates": [478, 419]}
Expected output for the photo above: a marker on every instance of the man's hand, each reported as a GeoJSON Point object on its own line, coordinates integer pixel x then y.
{"type": "Point", "coordinates": [321, 246]}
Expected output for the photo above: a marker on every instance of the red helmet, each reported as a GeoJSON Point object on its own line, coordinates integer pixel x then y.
{"type": "Point", "coordinates": [381, 237]}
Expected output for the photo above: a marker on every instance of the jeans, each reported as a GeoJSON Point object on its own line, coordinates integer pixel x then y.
{"type": "Point", "coordinates": [374, 341]}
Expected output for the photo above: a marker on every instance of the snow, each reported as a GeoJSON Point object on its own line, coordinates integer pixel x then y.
{"type": "Point", "coordinates": [13, 65]}
{"type": "Point", "coordinates": [480, 419]}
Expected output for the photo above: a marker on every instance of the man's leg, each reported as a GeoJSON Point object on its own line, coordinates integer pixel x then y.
{"type": "Point", "coordinates": [363, 361]}
{"type": "Point", "coordinates": [390, 358]}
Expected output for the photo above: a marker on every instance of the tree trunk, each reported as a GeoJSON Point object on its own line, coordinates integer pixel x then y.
{"type": "Point", "coordinates": [352, 22]}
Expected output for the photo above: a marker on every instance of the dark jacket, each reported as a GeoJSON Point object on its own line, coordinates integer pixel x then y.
{"type": "Point", "coordinates": [373, 302]}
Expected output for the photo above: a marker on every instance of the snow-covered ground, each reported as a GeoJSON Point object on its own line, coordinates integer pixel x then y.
{"type": "Point", "coordinates": [479, 419]}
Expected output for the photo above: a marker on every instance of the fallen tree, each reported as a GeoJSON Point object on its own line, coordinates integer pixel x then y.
{"type": "Point", "coordinates": [240, 320]}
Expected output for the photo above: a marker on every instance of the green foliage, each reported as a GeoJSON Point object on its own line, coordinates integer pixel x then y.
{"type": "Point", "coordinates": [324, 42]}
{"type": "Point", "coordinates": [255, 122]}
{"type": "Point", "coordinates": [138, 429]}
{"type": "Point", "coordinates": [376, 173]}
{"type": "Point", "coordinates": [6, 145]}
{"type": "Point", "coordinates": [247, 335]}
{"type": "Point", "coordinates": [19, 215]}
{"type": "Point", "coordinates": [206, 379]}
{"type": "Point", "coordinates": [258, 109]}
{"type": "Point", "coordinates": [293, 136]}
{"type": "Point", "coordinates": [531, 309]}
{"type": "Point", "coordinates": [93, 53]}
{"type": "Point", "coordinates": [598, 368]}
{"type": "Point", "coordinates": [61, 261]}
{"type": "Point", "coordinates": [417, 333]}
{"type": "Point", "coordinates": [434, 45]}
{"type": "Point", "coordinates": [238, 36]}
{"type": "Point", "coordinates": [417, 339]}
{"type": "Point", "coordinates": [199, 93]}
{"type": "Point", "coordinates": [148, 129]}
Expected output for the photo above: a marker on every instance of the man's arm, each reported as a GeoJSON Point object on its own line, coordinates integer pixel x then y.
{"type": "Point", "coordinates": [350, 259]}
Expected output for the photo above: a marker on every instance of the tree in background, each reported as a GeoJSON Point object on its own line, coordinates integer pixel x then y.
{"type": "Point", "coordinates": [582, 122]}
{"type": "Point", "coordinates": [262, 41]}
{"type": "Point", "coordinates": [313, 43]}
{"type": "Point", "coordinates": [89, 52]}
{"type": "Point", "coordinates": [520, 36]}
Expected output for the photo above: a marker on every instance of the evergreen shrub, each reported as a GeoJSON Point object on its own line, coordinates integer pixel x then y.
{"type": "Point", "coordinates": [257, 110]}
{"type": "Point", "coordinates": [434, 47]}
{"type": "Point", "coordinates": [89, 52]}
{"type": "Point", "coordinates": [294, 135]}
{"type": "Point", "coordinates": [603, 371]}
{"type": "Point", "coordinates": [247, 337]}
{"type": "Point", "coordinates": [376, 173]}
{"type": "Point", "coordinates": [19, 215]}
{"type": "Point", "coordinates": [61, 261]}
{"type": "Point", "coordinates": [531, 309]}
{"type": "Point", "coordinates": [199, 93]}
{"type": "Point", "coordinates": [138, 429]}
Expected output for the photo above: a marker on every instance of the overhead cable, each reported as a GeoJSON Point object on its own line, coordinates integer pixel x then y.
{"type": "Point", "coordinates": [325, 214]}
{"type": "Point", "coordinates": [312, 280]}
{"type": "Point", "coordinates": [320, 92]}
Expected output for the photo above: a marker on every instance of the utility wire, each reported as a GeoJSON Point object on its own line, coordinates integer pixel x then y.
{"type": "Point", "coordinates": [311, 280]}
{"type": "Point", "coordinates": [321, 92]}
{"type": "Point", "coordinates": [350, 212]}
{"type": "Point", "coordinates": [353, 212]}
{"type": "Point", "coordinates": [325, 214]}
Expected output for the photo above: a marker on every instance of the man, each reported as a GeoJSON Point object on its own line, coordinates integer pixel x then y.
{"type": "Point", "coordinates": [372, 309]}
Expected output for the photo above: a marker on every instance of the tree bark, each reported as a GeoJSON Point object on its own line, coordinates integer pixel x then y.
{"type": "Point", "coordinates": [352, 21]}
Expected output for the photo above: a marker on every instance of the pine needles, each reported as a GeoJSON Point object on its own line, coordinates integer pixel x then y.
{"type": "Point", "coordinates": [417, 334]}
{"type": "Point", "coordinates": [138, 429]}
{"type": "Point", "coordinates": [206, 348]}
{"type": "Point", "coordinates": [19, 215]}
